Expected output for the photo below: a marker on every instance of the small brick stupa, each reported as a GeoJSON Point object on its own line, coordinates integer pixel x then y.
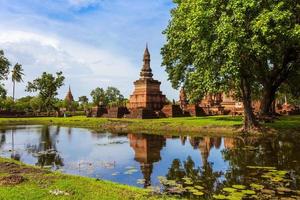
{"type": "Point", "coordinates": [147, 152]}
{"type": "Point", "coordinates": [147, 92]}
{"type": "Point", "coordinates": [69, 99]}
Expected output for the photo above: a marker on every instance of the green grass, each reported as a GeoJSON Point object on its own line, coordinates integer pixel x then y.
{"type": "Point", "coordinates": [286, 123]}
{"type": "Point", "coordinates": [39, 183]}
{"type": "Point", "coordinates": [213, 125]}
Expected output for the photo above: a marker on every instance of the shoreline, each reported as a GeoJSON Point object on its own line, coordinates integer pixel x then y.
{"type": "Point", "coordinates": [193, 126]}
{"type": "Point", "coordinates": [22, 181]}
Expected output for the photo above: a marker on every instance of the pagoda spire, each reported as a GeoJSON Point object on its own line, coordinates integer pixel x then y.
{"type": "Point", "coordinates": [146, 71]}
{"type": "Point", "coordinates": [69, 97]}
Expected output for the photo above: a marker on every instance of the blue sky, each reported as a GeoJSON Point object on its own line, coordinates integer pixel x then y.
{"type": "Point", "coordinates": [96, 43]}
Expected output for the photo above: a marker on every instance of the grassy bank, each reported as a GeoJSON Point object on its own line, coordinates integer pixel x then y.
{"type": "Point", "coordinates": [223, 125]}
{"type": "Point", "coordinates": [191, 125]}
{"type": "Point", "coordinates": [19, 181]}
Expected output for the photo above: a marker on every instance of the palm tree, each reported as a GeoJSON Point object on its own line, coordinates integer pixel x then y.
{"type": "Point", "coordinates": [16, 76]}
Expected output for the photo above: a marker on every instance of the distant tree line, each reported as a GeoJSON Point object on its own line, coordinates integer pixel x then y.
{"type": "Point", "coordinates": [46, 89]}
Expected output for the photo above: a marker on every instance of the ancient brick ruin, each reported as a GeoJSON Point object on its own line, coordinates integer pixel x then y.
{"type": "Point", "coordinates": [147, 101]}
{"type": "Point", "coordinates": [147, 92]}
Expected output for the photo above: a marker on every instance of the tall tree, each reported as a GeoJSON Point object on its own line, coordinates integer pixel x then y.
{"type": "Point", "coordinates": [16, 76]}
{"type": "Point", "coordinates": [113, 96]}
{"type": "Point", "coordinates": [47, 86]}
{"type": "Point", "coordinates": [98, 96]}
{"type": "Point", "coordinates": [276, 46]}
{"type": "Point", "coordinates": [105, 97]}
{"type": "Point", "coordinates": [83, 99]}
{"type": "Point", "coordinates": [4, 70]}
{"type": "Point", "coordinates": [218, 46]}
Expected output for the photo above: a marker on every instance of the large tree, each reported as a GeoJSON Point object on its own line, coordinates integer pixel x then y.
{"type": "Point", "coordinates": [113, 96]}
{"type": "Point", "coordinates": [275, 37]}
{"type": "Point", "coordinates": [16, 76]}
{"type": "Point", "coordinates": [4, 70]}
{"type": "Point", "coordinates": [98, 96]}
{"type": "Point", "coordinates": [217, 46]}
{"type": "Point", "coordinates": [83, 99]}
{"type": "Point", "coordinates": [47, 86]}
{"type": "Point", "coordinates": [106, 97]}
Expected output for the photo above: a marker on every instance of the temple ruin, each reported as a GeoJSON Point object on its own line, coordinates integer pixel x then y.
{"type": "Point", "coordinates": [147, 152]}
{"type": "Point", "coordinates": [147, 94]}
{"type": "Point", "coordinates": [69, 99]}
{"type": "Point", "coordinates": [147, 101]}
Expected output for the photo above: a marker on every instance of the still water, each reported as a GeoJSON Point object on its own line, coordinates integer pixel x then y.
{"type": "Point", "coordinates": [148, 160]}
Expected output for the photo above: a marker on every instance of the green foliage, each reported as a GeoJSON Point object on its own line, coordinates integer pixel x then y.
{"type": "Point", "coordinates": [36, 104]}
{"type": "Point", "coordinates": [98, 96]}
{"type": "Point", "coordinates": [7, 103]}
{"type": "Point", "coordinates": [16, 76]}
{"type": "Point", "coordinates": [4, 70]}
{"type": "Point", "coordinates": [47, 86]}
{"type": "Point", "coordinates": [212, 45]}
{"type": "Point", "coordinates": [83, 103]}
{"type": "Point", "coordinates": [290, 90]}
{"type": "Point", "coordinates": [4, 66]}
{"type": "Point", "coordinates": [83, 99]}
{"type": "Point", "coordinates": [23, 104]}
{"type": "Point", "coordinates": [110, 96]}
{"type": "Point", "coordinates": [17, 73]}
{"type": "Point", "coordinates": [2, 92]}
{"type": "Point", "coordinates": [113, 96]}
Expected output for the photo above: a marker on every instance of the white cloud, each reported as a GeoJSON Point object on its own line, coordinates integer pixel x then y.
{"type": "Point", "coordinates": [85, 67]}
{"type": "Point", "coordinates": [21, 36]}
{"type": "Point", "coordinates": [98, 47]}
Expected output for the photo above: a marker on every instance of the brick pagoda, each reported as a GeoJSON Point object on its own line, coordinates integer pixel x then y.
{"type": "Point", "coordinates": [147, 92]}
{"type": "Point", "coordinates": [69, 99]}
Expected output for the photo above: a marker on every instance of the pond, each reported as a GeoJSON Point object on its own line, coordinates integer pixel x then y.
{"type": "Point", "coordinates": [194, 167]}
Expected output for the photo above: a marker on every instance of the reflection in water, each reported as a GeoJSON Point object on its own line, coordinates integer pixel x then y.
{"type": "Point", "coordinates": [46, 151]}
{"type": "Point", "coordinates": [203, 176]}
{"type": "Point", "coordinates": [205, 144]}
{"type": "Point", "coordinates": [212, 162]}
{"type": "Point", "coordinates": [147, 151]}
{"type": "Point", "coordinates": [183, 140]}
{"type": "Point", "coordinates": [14, 154]}
{"type": "Point", "coordinates": [282, 153]}
{"type": "Point", "coordinates": [2, 139]}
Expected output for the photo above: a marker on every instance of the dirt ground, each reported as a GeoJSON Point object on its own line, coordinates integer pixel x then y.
{"type": "Point", "coordinates": [15, 173]}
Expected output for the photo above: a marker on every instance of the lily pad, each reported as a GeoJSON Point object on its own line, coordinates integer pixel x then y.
{"type": "Point", "coordinates": [219, 196]}
{"type": "Point", "coordinates": [250, 192]}
{"type": "Point", "coordinates": [230, 190]}
{"type": "Point", "coordinates": [283, 189]}
{"type": "Point", "coordinates": [256, 186]}
{"type": "Point", "coordinates": [199, 187]}
{"type": "Point", "coordinates": [198, 193]}
{"type": "Point", "coordinates": [261, 167]}
{"type": "Point", "coordinates": [240, 187]}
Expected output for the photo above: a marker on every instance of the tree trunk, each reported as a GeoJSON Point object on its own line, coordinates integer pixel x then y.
{"type": "Point", "coordinates": [250, 121]}
{"type": "Point", "coordinates": [14, 84]}
{"type": "Point", "coordinates": [273, 79]}
{"type": "Point", "coordinates": [267, 100]}
{"type": "Point", "coordinates": [273, 108]}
